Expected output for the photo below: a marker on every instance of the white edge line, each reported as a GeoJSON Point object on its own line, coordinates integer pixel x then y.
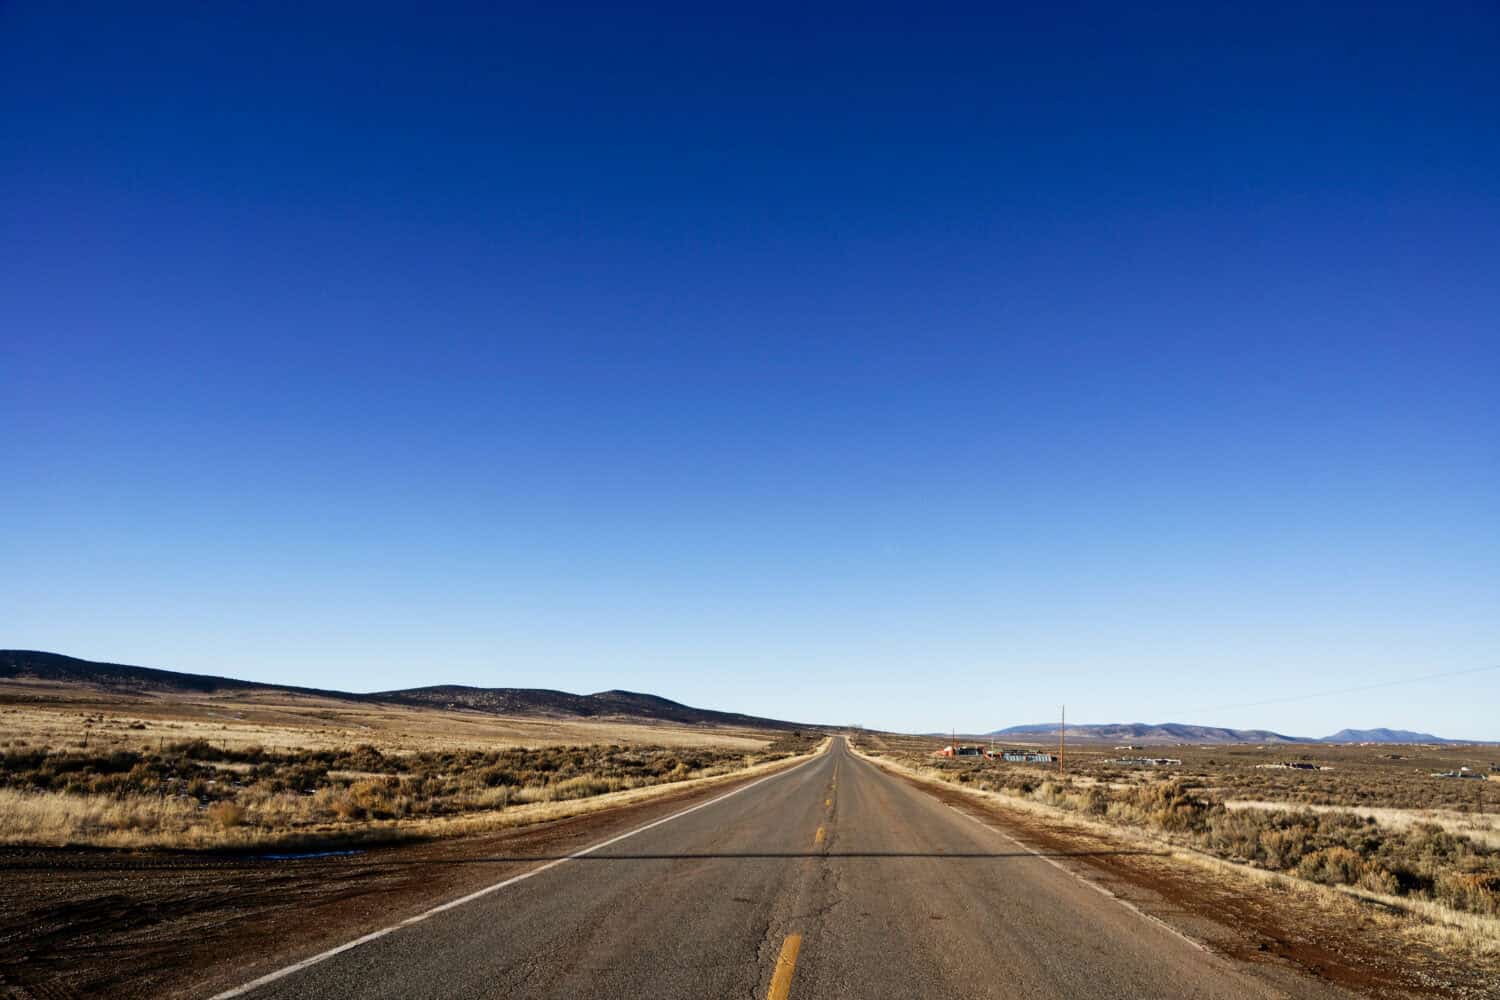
{"type": "Point", "coordinates": [272, 977]}
{"type": "Point", "coordinates": [1103, 890]}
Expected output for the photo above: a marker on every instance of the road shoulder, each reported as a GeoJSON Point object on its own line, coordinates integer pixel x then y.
{"type": "Point", "coordinates": [1268, 925]}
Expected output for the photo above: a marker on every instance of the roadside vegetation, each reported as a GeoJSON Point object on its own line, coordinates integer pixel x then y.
{"type": "Point", "coordinates": [201, 795]}
{"type": "Point", "coordinates": [1197, 806]}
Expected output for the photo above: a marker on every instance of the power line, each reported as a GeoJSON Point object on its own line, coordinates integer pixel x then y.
{"type": "Point", "coordinates": [1350, 690]}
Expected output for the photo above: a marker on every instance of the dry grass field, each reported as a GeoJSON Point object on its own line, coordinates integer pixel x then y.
{"type": "Point", "coordinates": [56, 714]}
{"type": "Point", "coordinates": [85, 767]}
{"type": "Point", "coordinates": [1375, 822]}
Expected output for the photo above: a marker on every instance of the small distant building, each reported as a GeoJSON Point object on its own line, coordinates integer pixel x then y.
{"type": "Point", "coordinates": [952, 750]}
{"type": "Point", "coordinates": [1027, 757]}
{"type": "Point", "coordinates": [1148, 761]}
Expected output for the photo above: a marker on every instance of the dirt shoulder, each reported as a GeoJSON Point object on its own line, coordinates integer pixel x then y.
{"type": "Point", "coordinates": [1285, 930]}
{"type": "Point", "coordinates": [165, 924]}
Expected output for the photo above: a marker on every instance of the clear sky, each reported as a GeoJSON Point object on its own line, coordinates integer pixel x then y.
{"type": "Point", "coordinates": [916, 369]}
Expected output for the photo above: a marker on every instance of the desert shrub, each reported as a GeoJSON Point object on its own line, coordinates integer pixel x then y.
{"type": "Point", "coordinates": [227, 814]}
{"type": "Point", "coordinates": [1283, 847]}
{"type": "Point", "coordinates": [1377, 879]}
{"type": "Point", "coordinates": [303, 776]}
{"type": "Point", "coordinates": [1172, 805]}
{"type": "Point", "coordinates": [794, 742]}
{"type": "Point", "coordinates": [583, 787]}
{"type": "Point", "coordinates": [497, 776]}
{"type": "Point", "coordinates": [364, 758]}
{"type": "Point", "coordinates": [346, 807]}
{"type": "Point", "coordinates": [195, 750]}
{"type": "Point", "coordinates": [1331, 866]}
{"type": "Point", "coordinates": [1477, 892]}
{"type": "Point", "coordinates": [376, 798]}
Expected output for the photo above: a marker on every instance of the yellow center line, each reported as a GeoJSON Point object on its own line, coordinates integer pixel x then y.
{"type": "Point", "coordinates": [820, 836]}
{"type": "Point", "coordinates": [786, 964]}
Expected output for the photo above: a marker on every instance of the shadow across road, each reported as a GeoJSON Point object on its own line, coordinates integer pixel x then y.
{"type": "Point", "coordinates": [374, 860]}
{"type": "Point", "coordinates": [832, 855]}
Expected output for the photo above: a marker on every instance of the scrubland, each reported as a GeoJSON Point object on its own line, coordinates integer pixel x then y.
{"type": "Point", "coordinates": [1377, 824]}
{"type": "Point", "coordinates": [100, 779]}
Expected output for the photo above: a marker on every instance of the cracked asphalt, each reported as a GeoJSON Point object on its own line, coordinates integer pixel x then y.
{"type": "Point", "coordinates": [900, 896]}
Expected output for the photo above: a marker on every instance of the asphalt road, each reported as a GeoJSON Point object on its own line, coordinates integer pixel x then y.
{"type": "Point", "coordinates": [830, 880]}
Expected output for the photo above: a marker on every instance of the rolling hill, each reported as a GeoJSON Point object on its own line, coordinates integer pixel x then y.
{"type": "Point", "coordinates": [1382, 736]}
{"type": "Point", "coordinates": [561, 704]}
{"type": "Point", "coordinates": [1141, 732]}
{"type": "Point", "coordinates": [525, 702]}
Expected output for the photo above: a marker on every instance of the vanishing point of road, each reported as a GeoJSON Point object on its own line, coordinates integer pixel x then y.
{"type": "Point", "coordinates": [832, 879]}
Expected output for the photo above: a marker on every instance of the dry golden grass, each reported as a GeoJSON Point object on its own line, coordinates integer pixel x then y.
{"type": "Point", "coordinates": [52, 714]}
{"type": "Point", "coordinates": [58, 819]}
{"type": "Point", "coordinates": [1483, 828]}
{"type": "Point", "coordinates": [272, 768]}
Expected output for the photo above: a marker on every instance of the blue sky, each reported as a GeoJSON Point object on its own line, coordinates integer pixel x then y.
{"type": "Point", "coordinates": [912, 369]}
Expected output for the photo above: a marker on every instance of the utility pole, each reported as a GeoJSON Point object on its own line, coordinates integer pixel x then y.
{"type": "Point", "coordinates": [1062, 742]}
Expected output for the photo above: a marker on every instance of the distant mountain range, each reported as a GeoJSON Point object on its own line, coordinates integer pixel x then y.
{"type": "Point", "coordinates": [1383, 736]}
{"type": "Point", "coordinates": [1176, 732]}
{"type": "Point", "coordinates": [1140, 732]}
{"type": "Point", "coordinates": [544, 703]}
{"type": "Point", "coordinates": [532, 702]}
